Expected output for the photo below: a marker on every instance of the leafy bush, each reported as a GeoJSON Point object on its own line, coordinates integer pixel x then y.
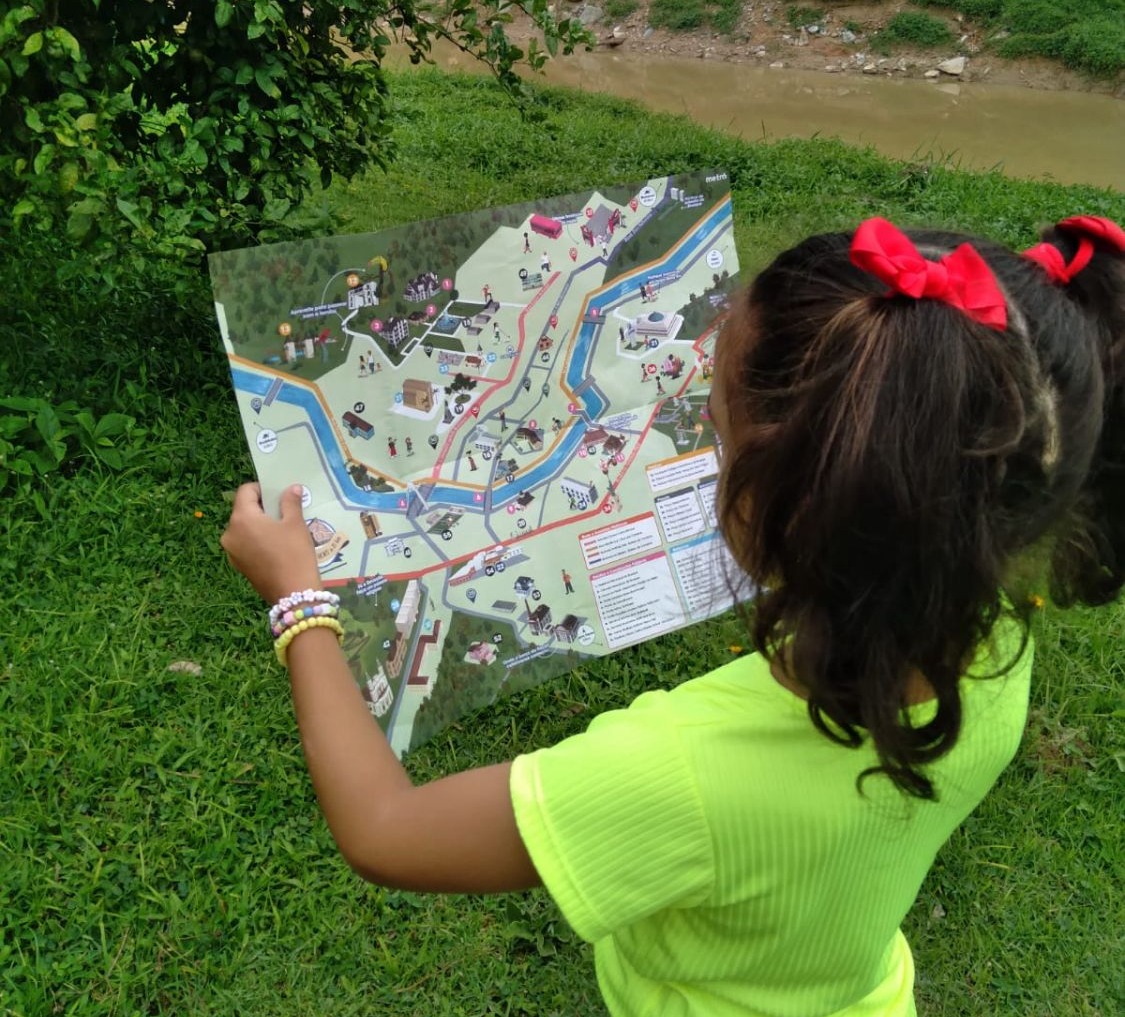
{"type": "Point", "coordinates": [915, 29]}
{"type": "Point", "coordinates": [39, 438]}
{"type": "Point", "coordinates": [162, 128]}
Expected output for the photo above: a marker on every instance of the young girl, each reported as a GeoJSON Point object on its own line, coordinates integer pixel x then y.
{"type": "Point", "coordinates": [901, 419]}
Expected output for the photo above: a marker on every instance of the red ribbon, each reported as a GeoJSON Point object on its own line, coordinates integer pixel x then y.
{"type": "Point", "coordinates": [961, 279]}
{"type": "Point", "coordinates": [1088, 228]}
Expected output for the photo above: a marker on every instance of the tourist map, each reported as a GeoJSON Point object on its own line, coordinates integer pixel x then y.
{"type": "Point", "coordinates": [500, 424]}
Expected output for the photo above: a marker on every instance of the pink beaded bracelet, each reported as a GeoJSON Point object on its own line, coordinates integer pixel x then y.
{"type": "Point", "coordinates": [290, 618]}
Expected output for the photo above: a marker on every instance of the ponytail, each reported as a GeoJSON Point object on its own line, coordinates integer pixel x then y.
{"type": "Point", "coordinates": [1085, 256]}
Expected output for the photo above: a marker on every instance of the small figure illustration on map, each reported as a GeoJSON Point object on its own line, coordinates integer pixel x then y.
{"type": "Point", "coordinates": [545, 262]}
{"type": "Point", "coordinates": [497, 335]}
{"type": "Point", "coordinates": [605, 252]}
{"type": "Point", "coordinates": [392, 447]}
{"type": "Point", "coordinates": [409, 446]}
{"type": "Point", "coordinates": [486, 290]}
{"type": "Point", "coordinates": [659, 387]}
{"type": "Point", "coordinates": [503, 421]}
{"type": "Point", "coordinates": [650, 291]}
{"type": "Point", "coordinates": [526, 244]}
{"type": "Point", "coordinates": [644, 292]}
{"type": "Point", "coordinates": [556, 425]}
{"type": "Point", "coordinates": [644, 372]}
{"type": "Point", "coordinates": [567, 583]}
{"type": "Point", "coordinates": [362, 366]}
{"type": "Point", "coordinates": [472, 462]}
{"type": "Point", "coordinates": [621, 336]}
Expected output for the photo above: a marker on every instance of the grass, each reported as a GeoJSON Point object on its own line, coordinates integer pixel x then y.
{"type": "Point", "coordinates": [617, 9]}
{"type": "Point", "coordinates": [913, 28]}
{"type": "Point", "coordinates": [1086, 35]}
{"type": "Point", "coordinates": [686, 15]}
{"type": "Point", "coordinates": [160, 846]}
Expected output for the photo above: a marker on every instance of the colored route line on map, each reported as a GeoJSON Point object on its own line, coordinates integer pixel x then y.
{"type": "Point", "coordinates": [599, 509]}
{"type": "Point", "coordinates": [494, 385]}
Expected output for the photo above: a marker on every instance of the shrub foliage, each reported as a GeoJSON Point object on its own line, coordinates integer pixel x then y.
{"type": "Point", "coordinates": [170, 126]}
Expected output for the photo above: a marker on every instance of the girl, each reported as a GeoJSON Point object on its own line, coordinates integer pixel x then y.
{"type": "Point", "coordinates": [901, 419]}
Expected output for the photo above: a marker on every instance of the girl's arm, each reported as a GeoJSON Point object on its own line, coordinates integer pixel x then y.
{"type": "Point", "coordinates": [454, 834]}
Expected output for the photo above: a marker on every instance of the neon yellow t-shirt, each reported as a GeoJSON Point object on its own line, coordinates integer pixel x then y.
{"type": "Point", "coordinates": [713, 846]}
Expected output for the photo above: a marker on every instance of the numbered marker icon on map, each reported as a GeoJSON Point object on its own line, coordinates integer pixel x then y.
{"type": "Point", "coordinates": [472, 595]}
{"type": "Point", "coordinates": [432, 440]}
{"type": "Point", "coordinates": [446, 534]}
{"type": "Point", "coordinates": [497, 638]}
{"type": "Point", "coordinates": [633, 204]}
{"type": "Point", "coordinates": [475, 411]}
{"type": "Point", "coordinates": [256, 404]}
{"type": "Point", "coordinates": [428, 349]}
{"type": "Point", "coordinates": [574, 254]}
{"type": "Point", "coordinates": [527, 384]}
{"type": "Point", "coordinates": [521, 523]}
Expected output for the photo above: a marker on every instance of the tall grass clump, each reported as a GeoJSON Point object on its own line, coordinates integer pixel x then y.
{"type": "Point", "coordinates": [913, 28]}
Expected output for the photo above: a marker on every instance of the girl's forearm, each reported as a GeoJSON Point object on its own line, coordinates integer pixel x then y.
{"type": "Point", "coordinates": [351, 764]}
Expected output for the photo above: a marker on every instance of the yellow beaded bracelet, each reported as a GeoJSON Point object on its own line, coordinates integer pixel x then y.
{"type": "Point", "coordinates": [281, 644]}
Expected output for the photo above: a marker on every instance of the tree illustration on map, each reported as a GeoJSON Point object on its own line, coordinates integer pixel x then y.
{"type": "Point", "coordinates": [500, 422]}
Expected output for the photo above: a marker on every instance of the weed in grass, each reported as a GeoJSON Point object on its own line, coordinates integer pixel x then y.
{"type": "Point", "coordinates": [617, 9]}
{"type": "Point", "coordinates": [677, 15]}
{"type": "Point", "coordinates": [799, 15]}
{"type": "Point", "coordinates": [913, 28]}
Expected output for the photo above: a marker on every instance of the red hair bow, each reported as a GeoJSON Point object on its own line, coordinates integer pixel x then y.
{"type": "Point", "coordinates": [961, 279]}
{"type": "Point", "coordinates": [1088, 228]}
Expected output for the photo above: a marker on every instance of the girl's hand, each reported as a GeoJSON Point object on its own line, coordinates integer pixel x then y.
{"type": "Point", "coordinates": [275, 555]}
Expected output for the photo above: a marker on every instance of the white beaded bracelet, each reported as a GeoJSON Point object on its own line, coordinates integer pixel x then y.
{"type": "Point", "coordinates": [298, 598]}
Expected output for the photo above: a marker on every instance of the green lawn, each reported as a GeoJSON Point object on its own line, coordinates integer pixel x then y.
{"type": "Point", "coordinates": [160, 846]}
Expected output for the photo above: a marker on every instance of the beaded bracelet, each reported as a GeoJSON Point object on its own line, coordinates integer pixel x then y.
{"type": "Point", "coordinates": [290, 618]}
{"type": "Point", "coordinates": [301, 597]}
{"type": "Point", "coordinates": [281, 646]}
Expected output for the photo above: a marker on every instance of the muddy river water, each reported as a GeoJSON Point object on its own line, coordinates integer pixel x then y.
{"type": "Point", "coordinates": [1071, 137]}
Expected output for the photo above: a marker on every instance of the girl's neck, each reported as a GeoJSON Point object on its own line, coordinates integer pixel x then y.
{"type": "Point", "coordinates": [918, 690]}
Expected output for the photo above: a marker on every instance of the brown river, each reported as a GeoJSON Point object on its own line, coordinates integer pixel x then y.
{"type": "Point", "coordinates": [1067, 136]}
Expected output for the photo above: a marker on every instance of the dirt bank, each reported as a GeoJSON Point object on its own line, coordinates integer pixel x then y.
{"type": "Point", "coordinates": [837, 43]}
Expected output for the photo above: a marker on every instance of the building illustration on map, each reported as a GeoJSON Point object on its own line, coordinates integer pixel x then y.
{"type": "Point", "coordinates": [500, 421]}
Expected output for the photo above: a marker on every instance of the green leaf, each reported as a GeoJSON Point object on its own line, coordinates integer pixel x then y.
{"type": "Point", "coordinates": [130, 210]}
{"type": "Point", "coordinates": [223, 12]}
{"type": "Point", "coordinates": [67, 41]}
{"type": "Point", "coordinates": [266, 83]}
{"type": "Point", "coordinates": [68, 177]}
{"type": "Point", "coordinates": [245, 73]}
{"type": "Point", "coordinates": [23, 207]}
{"type": "Point", "coordinates": [33, 44]}
{"type": "Point", "coordinates": [47, 422]}
{"type": "Point", "coordinates": [43, 158]}
{"type": "Point", "coordinates": [87, 122]}
{"type": "Point", "coordinates": [33, 120]}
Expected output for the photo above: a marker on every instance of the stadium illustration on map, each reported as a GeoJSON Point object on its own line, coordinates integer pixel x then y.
{"type": "Point", "coordinates": [500, 423]}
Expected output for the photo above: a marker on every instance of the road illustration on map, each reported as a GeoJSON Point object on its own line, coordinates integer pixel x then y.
{"type": "Point", "coordinates": [500, 423]}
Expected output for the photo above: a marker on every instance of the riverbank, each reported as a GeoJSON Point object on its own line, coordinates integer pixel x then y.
{"type": "Point", "coordinates": [837, 42]}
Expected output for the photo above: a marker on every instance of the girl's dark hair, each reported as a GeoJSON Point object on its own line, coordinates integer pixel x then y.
{"type": "Point", "coordinates": [886, 459]}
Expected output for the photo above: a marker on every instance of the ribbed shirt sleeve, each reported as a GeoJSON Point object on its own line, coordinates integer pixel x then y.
{"type": "Point", "coordinates": [612, 820]}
